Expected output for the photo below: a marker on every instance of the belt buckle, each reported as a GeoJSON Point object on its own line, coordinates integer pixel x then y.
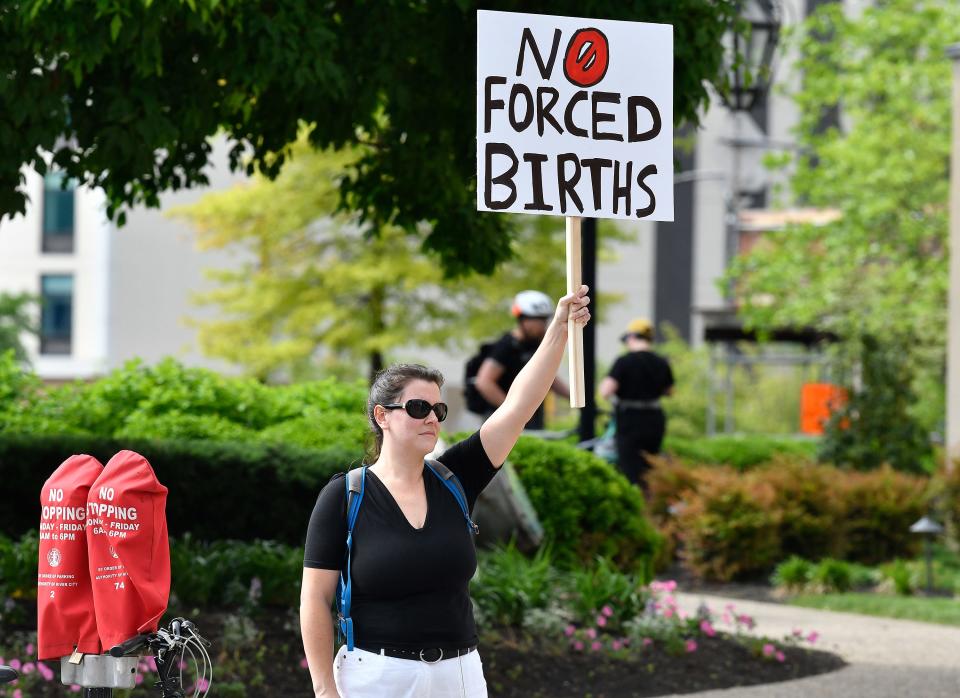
{"type": "Point", "coordinates": [427, 661]}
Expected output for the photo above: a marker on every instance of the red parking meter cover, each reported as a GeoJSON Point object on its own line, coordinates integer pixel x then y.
{"type": "Point", "coordinates": [128, 548]}
{"type": "Point", "coordinates": [65, 611]}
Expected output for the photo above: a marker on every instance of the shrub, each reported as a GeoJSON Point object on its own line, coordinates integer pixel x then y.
{"type": "Point", "coordinates": [807, 505]}
{"type": "Point", "coordinates": [741, 451]}
{"type": "Point", "coordinates": [508, 585]}
{"type": "Point", "coordinates": [235, 573]}
{"type": "Point", "coordinates": [717, 517]}
{"type": "Point", "coordinates": [900, 576]}
{"type": "Point", "coordinates": [19, 560]}
{"type": "Point", "coordinates": [587, 508]}
{"type": "Point", "coordinates": [169, 400]}
{"type": "Point", "coordinates": [602, 589]}
{"type": "Point", "coordinates": [793, 574]}
{"type": "Point", "coordinates": [272, 488]}
{"type": "Point", "coordinates": [730, 527]}
{"type": "Point", "coordinates": [878, 509]}
{"type": "Point", "coordinates": [832, 576]}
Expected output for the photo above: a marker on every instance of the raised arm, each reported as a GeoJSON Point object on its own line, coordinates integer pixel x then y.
{"type": "Point", "coordinates": [500, 432]}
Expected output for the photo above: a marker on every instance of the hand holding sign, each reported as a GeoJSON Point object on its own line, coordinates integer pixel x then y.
{"type": "Point", "coordinates": [546, 144]}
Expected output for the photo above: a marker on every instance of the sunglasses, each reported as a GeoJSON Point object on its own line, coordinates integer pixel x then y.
{"type": "Point", "coordinates": [419, 409]}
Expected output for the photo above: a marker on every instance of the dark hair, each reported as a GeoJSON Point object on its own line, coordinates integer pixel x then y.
{"type": "Point", "coordinates": [387, 387]}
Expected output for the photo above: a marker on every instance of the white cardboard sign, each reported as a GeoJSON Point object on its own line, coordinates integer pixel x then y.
{"type": "Point", "coordinates": [574, 116]}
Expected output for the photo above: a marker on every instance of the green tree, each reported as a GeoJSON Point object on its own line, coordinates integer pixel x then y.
{"type": "Point", "coordinates": [126, 95]}
{"type": "Point", "coordinates": [879, 272]}
{"type": "Point", "coordinates": [316, 287]}
{"type": "Point", "coordinates": [15, 321]}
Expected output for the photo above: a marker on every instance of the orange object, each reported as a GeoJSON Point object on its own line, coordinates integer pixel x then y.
{"type": "Point", "coordinates": [818, 401]}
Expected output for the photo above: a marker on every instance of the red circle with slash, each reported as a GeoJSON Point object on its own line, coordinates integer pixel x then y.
{"type": "Point", "coordinates": [587, 57]}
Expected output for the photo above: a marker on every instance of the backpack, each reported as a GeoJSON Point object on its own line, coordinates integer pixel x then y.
{"type": "Point", "coordinates": [355, 481]}
{"type": "Point", "coordinates": [476, 403]}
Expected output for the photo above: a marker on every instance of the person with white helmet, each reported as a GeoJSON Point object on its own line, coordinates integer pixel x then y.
{"type": "Point", "coordinates": [509, 354]}
{"type": "Point", "coordinates": [636, 382]}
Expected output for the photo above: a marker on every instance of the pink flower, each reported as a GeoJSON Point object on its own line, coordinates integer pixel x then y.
{"type": "Point", "coordinates": [669, 600]}
{"type": "Point", "coordinates": [813, 637]}
{"type": "Point", "coordinates": [45, 671]}
{"type": "Point", "coordinates": [2, 660]}
{"type": "Point", "coordinates": [202, 684]}
{"type": "Point", "coordinates": [707, 628]}
{"type": "Point", "coordinates": [670, 585]}
{"type": "Point", "coordinates": [29, 668]}
{"type": "Point", "coordinates": [746, 620]}
{"type": "Point", "coordinates": [668, 612]}
{"type": "Point", "coordinates": [691, 645]}
{"type": "Point", "coordinates": [781, 657]}
{"type": "Point", "coordinates": [726, 618]}
{"type": "Point", "coordinates": [578, 646]}
{"type": "Point", "coordinates": [596, 645]}
{"type": "Point", "coordinates": [304, 664]}
{"type": "Point", "coordinates": [569, 630]}
{"type": "Point", "coordinates": [138, 679]}
{"type": "Point", "coordinates": [601, 621]}
{"type": "Point", "coordinates": [607, 611]}
{"type": "Point", "coordinates": [15, 664]}
{"type": "Point", "coordinates": [797, 632]}
{"type": "Point", "coordinates": [29, 648]}
{"type": "Point", "coordinates": [75, 688]}
{"type": "Point", "coordinates": [682, 615]}
{"type": "Point", "coordinates": [616, 645]}
{"type": "Point", "coordinates": [592, 633]}
{"type": "Point", "coordinates": [647, 642]}
{"type": "Point", "coordinates": [768, 650]}
{"type": "Point", "coordinates": [17, 693]}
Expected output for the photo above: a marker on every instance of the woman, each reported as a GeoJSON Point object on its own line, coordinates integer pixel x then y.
{"type": "Point", "coordinates": [412, 558]}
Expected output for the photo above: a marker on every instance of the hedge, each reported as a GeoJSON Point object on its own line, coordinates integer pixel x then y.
{"type": "Point", "coordinates": [218, 490]}
{"type": "Point", "coordinates": [741, 451]}
{"type": "Point", "coordinates": [728, 524]}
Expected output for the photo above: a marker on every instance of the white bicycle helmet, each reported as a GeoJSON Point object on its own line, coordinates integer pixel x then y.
{"type": "Point", "coordinates": [532, 304]}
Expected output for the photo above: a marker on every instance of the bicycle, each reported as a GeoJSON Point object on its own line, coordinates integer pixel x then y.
{"type": "Point", "coordinates": [169, 648]}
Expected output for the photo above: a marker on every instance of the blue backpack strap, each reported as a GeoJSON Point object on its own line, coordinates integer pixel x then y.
{"type": "Point", "coordinates": [452, 483]}
{"type": "Point", "coordinates": [354, 482]}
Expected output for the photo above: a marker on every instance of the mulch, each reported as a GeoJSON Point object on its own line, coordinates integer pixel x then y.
{"type": "Point", "coordinates": [718, 662]}
{"type": "Point", "coordinates": [513, 667]}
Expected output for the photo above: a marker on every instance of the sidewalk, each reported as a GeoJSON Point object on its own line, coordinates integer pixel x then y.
{"type": "Point", "coordinates": [888, 658]}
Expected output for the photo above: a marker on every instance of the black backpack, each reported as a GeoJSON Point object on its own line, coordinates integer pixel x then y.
{"type": "Point", "coordinates": [476, 403]}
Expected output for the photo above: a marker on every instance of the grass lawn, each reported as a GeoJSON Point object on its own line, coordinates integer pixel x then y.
{"type": "Point", "coordinates": [930, 610]}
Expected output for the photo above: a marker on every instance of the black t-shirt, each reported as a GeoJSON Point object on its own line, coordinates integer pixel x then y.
{"type": "Point", "coordinates": [410, 586]}
{"type": "Point", "coordinates": [513, 354]}
{"type": "Point", "coordinates": [641, 375]}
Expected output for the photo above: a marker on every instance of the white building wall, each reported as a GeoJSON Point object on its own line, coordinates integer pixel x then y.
{"type": "Point", "coordinates": [22, 264]}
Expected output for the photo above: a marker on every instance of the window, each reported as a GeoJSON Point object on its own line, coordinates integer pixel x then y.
{"type": "Point", "coordinates": [56, 314]}
{"type": "Point", "coordinates": [58, 213]}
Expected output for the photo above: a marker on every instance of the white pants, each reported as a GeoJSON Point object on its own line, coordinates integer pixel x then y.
{"type": "Point", "coordinates": [362, 674]}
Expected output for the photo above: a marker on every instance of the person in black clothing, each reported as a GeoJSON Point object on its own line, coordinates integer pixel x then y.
{"type": "Point", "coordinates": [412, 556]}
{"type": "Point", "coordinates": [636, 382]}
{"type": "Point", "coordinates": [512, 351]}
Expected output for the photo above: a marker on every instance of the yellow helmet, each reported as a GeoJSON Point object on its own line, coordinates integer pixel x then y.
{"type": "Point", "coordinates": [641, 327]}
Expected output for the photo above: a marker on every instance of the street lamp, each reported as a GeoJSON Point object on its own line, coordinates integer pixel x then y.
{"type": "Point", "coordinates": [750, 61]}
{"type": "Point", "coordinates": [929, 529]}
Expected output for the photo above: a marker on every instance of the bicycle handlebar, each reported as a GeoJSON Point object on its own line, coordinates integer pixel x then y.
{"type": "Point", "coordinates": [130, 646]}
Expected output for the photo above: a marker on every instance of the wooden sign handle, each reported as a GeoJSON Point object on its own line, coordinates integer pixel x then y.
{"type": "Point", "coordinates": [574, 333]}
